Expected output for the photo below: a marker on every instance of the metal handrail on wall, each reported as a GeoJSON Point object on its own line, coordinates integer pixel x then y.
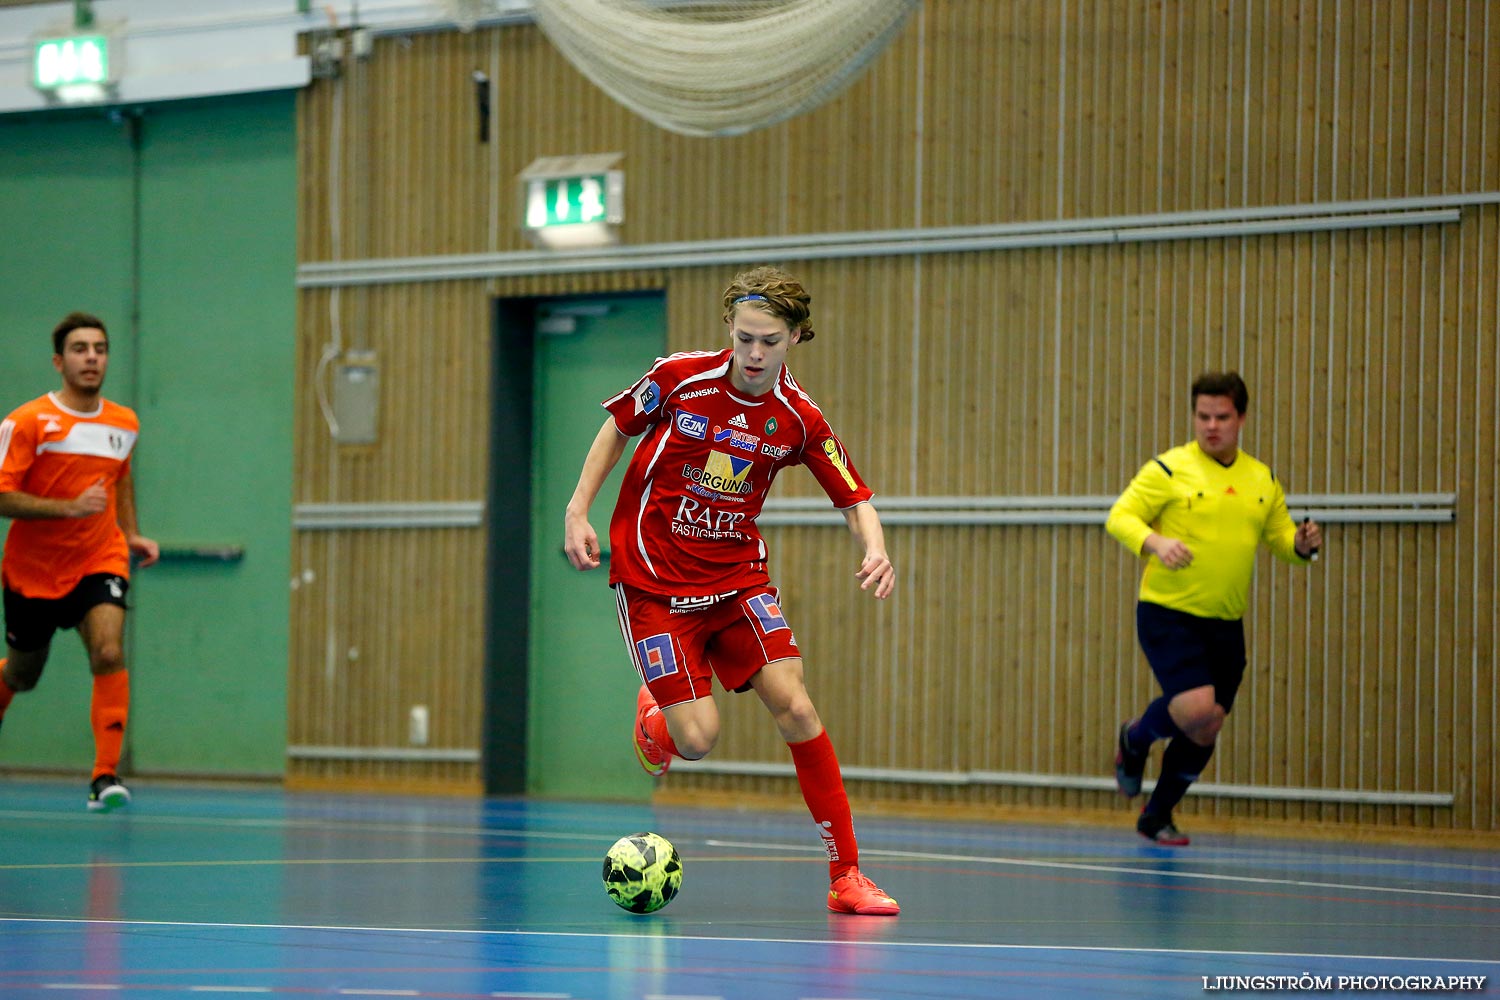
{"type": "Point", "coordinates": [1327, 508]}
{"type": "Point", "coordinates": [1212, 224]}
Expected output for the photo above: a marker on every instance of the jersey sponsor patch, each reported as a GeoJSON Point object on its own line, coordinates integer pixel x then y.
{"type": "Point", "coordinates": [722, 473]}
{"type": "Point", "coordinates": [702, 521]}
{"type": "Point", "coordinates": [735, 439]}
{"type": "Point", "coordinates": [686, 605]}
{"type": "Point", "coordinates": [776, 451]}
{"type": "Point", "coordinates": [692, 425]}
{"type": "Point", "coordinates": [768, 613]}
{"type": "Point", "coordinates": [647, 397]}
{"type": "Point", "coordinates": [729, 468]}
{"type": "Point", "coordinates": [738, 420]}
{"type": "Point", "coordinates": [656, 656]}
{"type": "Point", "coordinates": [831, 449]}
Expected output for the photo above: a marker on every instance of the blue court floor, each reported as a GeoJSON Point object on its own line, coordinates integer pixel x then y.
{"type": "Point", "coordinates": [228, 891]}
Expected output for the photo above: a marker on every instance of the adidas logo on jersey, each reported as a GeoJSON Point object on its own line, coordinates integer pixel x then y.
{"type": "Point", "coordinates": [738, 420]}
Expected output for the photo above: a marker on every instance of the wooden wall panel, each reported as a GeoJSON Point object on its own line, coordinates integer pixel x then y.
{"type": "Point", "coordinates": [1371, 356]}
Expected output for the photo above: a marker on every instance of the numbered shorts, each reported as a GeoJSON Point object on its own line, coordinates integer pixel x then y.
{"type": "Point", "coordinates": [678, 653]}
{"type": "Point", "coordinates": [1186, 651]}
{"type": "Point", "coordinates": [31, 621]}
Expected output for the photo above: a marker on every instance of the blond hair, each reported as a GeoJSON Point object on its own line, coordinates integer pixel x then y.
{"type": "Point", "coordinates": [772, 291]}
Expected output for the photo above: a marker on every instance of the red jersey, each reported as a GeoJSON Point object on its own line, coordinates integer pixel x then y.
{"type": "Point", "coordinates": [48, 450]}
{"type": "Point", "coordinates": [684, 525]}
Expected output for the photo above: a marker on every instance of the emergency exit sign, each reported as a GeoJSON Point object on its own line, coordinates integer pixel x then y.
{"type": "Point", "coordinates": [573, 202]}
{"type": "Point", "coordinates": [567, 201]}
{"type": "Point", "coordinates": [74, 61]}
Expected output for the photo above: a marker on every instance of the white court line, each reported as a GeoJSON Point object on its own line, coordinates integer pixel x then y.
{"type": "Point", "coordinates": [732, 939]}
{"type": "Point", "coordinates": [1117, 870]}
{"type": "Point", "coordinates": [229, 989]}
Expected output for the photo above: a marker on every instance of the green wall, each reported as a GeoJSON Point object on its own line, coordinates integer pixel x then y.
{"type": "Point", "coordinates": [189, 218]}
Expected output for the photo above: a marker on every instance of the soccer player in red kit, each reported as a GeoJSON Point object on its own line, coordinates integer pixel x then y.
{"type": "Point", "coordinates": [688, 564]}
{"type": "Point", "coordinates": [65, 480]}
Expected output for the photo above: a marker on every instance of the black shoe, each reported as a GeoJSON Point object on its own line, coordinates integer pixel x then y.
{"type": "Point", "coordinates": [1159, 829]}
{"type": "Point", "coordinates": [1129, 765]}
{"type": "Point", "coordinates": [107, 793]}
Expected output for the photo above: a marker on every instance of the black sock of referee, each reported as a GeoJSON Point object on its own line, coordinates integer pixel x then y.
{"type": "Point", "coordinates": [1154, 724]}
{"type": "Point", "coordinates": [1181, 764]}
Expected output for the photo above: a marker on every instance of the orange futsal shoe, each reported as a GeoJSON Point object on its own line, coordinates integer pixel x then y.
{"type": "Point", "coordinates": [852, 892]}
{"type": "Point", "coordinates": [653, 759]}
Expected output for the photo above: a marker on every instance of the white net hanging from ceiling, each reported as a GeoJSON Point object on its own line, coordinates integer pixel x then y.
{"type": "Point", "coordinates": [712, 69]}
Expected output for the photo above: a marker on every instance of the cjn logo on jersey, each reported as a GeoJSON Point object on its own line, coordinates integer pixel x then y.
{"type": "Point", "coordinates": [692, 425]}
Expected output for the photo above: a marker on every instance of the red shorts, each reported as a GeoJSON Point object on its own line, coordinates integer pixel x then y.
{"type": "Point", "coordinates": [680, 644]}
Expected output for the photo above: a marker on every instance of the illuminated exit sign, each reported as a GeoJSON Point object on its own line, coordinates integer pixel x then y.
{"type": "Point", "coordinates": [570, 202]}
{"type": "Point", "coordinates": [76, 61]}
{"type": "Point", "coordinates": [567, 201]}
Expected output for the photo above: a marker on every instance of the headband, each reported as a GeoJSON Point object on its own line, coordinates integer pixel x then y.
{"type": "Point", "coordinates": [749, 298]}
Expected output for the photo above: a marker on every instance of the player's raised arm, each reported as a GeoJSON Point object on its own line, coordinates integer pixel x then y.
{"type": "Point", "coordinates": [580, 542]}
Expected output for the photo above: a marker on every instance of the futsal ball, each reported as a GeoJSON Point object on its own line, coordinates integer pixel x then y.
{"type": "Point", "coordinates": [642, 872]}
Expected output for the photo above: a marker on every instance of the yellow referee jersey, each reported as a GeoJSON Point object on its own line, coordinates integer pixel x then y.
{"type": "Point", "coordinates": [1221, 513]}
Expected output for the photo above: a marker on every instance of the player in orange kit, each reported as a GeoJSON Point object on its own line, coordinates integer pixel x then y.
{"type": "Point", "coordinates": [65, 483]}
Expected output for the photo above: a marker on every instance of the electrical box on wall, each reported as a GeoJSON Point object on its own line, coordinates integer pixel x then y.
{"type": "Point", "coordinates": [356, 397]}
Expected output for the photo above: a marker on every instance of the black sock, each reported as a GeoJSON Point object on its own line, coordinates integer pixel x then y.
{"type": "Point", "coordinates": [1155, 724]}
{"type": "Point", "coordinates": [1183, 761]}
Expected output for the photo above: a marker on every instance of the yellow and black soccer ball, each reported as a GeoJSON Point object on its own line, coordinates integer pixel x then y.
{"type": "Point", "coordinates": [642, 872]}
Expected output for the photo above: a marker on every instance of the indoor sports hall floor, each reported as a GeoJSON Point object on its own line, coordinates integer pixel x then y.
{"type": "Point", "coordinates": [228, 891]}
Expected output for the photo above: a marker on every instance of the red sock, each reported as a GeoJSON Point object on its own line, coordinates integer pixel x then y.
{"type": "Point", "coordinates": [656, 728]}
{"type": "Point", "coordinates": [823, 790]}
{"type": "Point", "coordinates": [6, 694]}
{"type": "Point", "coordinates": [107, 713]}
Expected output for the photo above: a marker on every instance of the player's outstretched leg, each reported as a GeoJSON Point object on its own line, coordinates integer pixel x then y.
{"type": "Point", "coordinates": [822, 783]}
{"type": "Point", "coordinates": [651, 755]}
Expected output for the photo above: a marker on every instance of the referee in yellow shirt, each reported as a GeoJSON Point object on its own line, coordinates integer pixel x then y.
{"type": "Point", "coordinates": [1197, 513]}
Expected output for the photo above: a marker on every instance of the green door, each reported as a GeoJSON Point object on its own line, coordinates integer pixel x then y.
{"type": "Point", "coordinates": [581, 684]}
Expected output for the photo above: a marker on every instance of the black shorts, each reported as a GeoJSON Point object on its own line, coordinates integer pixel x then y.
{"type": "Point", "coordinates": [1186, 651]}
{"type": "Point", "coordinates": [30, 621]}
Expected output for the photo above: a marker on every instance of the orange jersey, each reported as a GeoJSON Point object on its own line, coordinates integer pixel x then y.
{"type": "Point", "coordinates": [48, 450]}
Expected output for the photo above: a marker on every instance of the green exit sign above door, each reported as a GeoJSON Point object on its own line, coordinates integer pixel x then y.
{"type": "Point", "coordinates": [573, 201]}
{"type": "Point", "coordinates": [76, 67]}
